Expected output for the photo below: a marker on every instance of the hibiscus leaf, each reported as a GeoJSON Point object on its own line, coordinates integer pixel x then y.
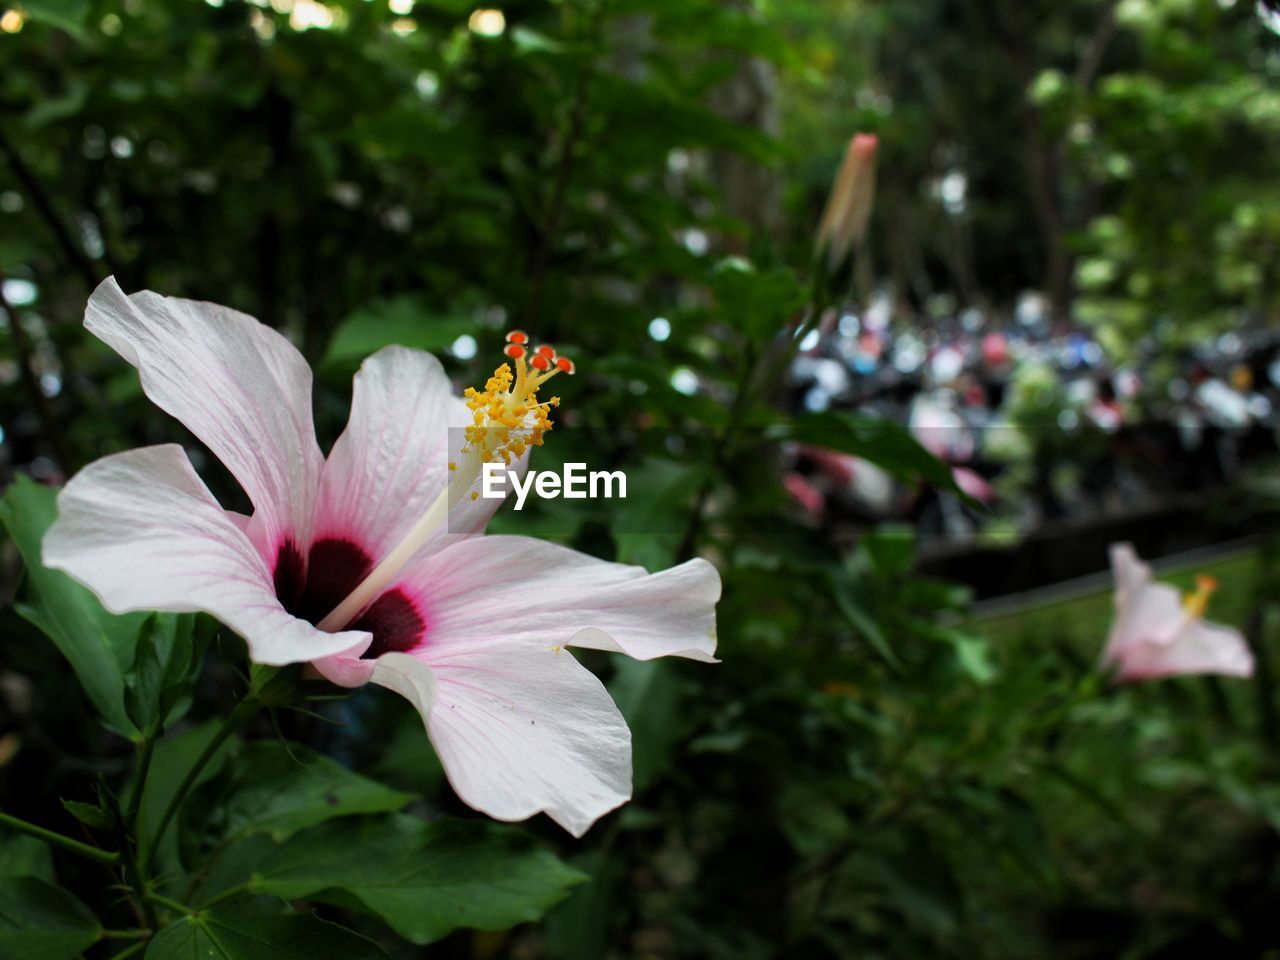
{"type": "Point", "coordinates": [259, 928]}
{"type": "Point", "coordinates": [424, 879]}
{"type": "Point", "coordinates": [173, 757]}
{"type": "Point", "coordinates": [23, 856]}
{"type": "Point", "coordinates": [404, 320]}
{"type": "Point", "coordinates": [41, 921]}
{"type": "Point", "coordinates": [164, 666]}
{"type": "Point", "coordinates": [280, 789]}
{"type": "Point", "coordinates": [650, 697]}
{"type": "Point", "coordinates": [68, 15]}
{"type": "Point", "coordinates": [757, 302]}
{"type": "Point", "coordinates": [99, 645]}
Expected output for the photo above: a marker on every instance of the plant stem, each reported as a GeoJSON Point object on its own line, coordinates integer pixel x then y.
{"type": "Point", "coordinates": [168, 904]}
{"type": "Point", "coordinates": [125, 934]}
{"type": "Point", "coordinates": [235, 720]}
{"type": "Point", "coordinates": [130, 951]}
{"type": "Point", "coordinates": [140, 783]}
{"type": "Point", "coordinates": [49, 836]}
{"type": "Point", "coordinates": [226, 895]}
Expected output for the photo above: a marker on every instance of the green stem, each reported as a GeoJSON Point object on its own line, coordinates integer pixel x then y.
{"type": "Point", "coordinates": [125, 934]}
{"type": "Point", "coordinates": [168, 904]}
{"type": "Point", "coordinates": [75, 846]}
{"type": "Point", "coordinates": [130, 951]}
{"type": "Point", "coordinates": [226, 895]}
{"type": "Point", "coordinates": [131, 870]}
{"type": "Point", "coordinates": [235, 720]}
{"type": "Point", "coordinates": [140, 783]}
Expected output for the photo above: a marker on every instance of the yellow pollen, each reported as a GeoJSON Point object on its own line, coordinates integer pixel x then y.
{"type": "Point", "coordinates": [1195, 604]}
{"type": "Point", "coordinates": [507, 418]}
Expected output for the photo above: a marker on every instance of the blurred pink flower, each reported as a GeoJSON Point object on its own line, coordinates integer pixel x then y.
{"type": "Point", "coordinates": [802, 490]}
{"type": "Point", "coordinates": [470, 629]}
{"type": "Point", "coordinates": [1157, 633]}
{"type": "Point", "coordinates": [844, 221]}
{"type": "Point", "coordinates": [974, 484]}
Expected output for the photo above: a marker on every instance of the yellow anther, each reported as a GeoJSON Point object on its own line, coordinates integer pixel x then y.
{"type": "Point", "coordinates": [1195, 604]}
{"type": "Point", "coordinates": [507, 418]}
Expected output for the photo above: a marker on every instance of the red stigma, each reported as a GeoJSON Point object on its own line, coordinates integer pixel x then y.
{"type": "Point", "coordinates": [565, 365]}
{"type": "Point", "coordinates": [540, 362]}
{"type": "Point", "coordinates": [517, 336]}
{"type": "Point", "coordinates": [514, 350]}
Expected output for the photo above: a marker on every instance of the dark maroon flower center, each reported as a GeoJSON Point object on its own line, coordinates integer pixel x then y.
{"type": "Point", "coordinates": [332, 570]}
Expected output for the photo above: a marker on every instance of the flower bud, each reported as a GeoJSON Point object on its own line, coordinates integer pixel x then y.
{"type": "Point", "coordinates": [844, 221]}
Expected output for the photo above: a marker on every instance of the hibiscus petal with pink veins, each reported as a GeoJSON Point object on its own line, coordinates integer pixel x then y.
{"type": "Point", "coordinates": [142, 531]}
{"type": "Point", "coordinates": [541, 593]}
{"type": "Point", "coordinates": [519, 729]}
{"type": "Point", "coordinates": [238, 385]}
{"type": "Point", "coordinates": [392, 460]}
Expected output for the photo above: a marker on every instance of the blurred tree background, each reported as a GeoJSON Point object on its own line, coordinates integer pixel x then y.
{"type": "Point", "coordinates": [876, 769]}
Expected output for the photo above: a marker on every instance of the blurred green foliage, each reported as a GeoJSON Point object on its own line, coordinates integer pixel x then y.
{"type": "Point", "coordinates": [870, 772]}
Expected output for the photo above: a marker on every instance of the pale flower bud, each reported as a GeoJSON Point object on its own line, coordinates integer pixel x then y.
{"type": "Point", "coordinates": [844, 221]}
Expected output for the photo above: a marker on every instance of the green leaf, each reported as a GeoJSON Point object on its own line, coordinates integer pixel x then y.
{"type": "Point", "coordinates": [90, 814]}
{"type": "Point", "coordinates": [758, 303]}
{"type": "Point", "coordinates": [99, 645]}
{"type": "Point", "coordinates": [424, 879]}
{"type": "Point", "coordinates": [280, 790]}
{"type": "Point", "coordinates": [164, 670]}
{"type": "Point", "coordinates": [259, 928]}
{"type": "Point", "coordinates": [403, 320]}
{"type": "Point", "coordinates": [887, 444]}
{"type": "Point", "coordinates": [40, 921]}
{"type": "Point", "coordinates": [648, 696]}
{"type": "Point", "coordinates": [23, 856]}
{"type": "Point", "coordinates": [648, 526]}
{"type": "Point", "coordinates": [67, 15]}
{"type": "Point", "coordinates": [173, 756]}
{"type": "Point", "coordinates": [849, 603]}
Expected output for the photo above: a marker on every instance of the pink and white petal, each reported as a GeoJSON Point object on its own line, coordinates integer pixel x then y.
{"type": "Point", "coordinates": [236, 384]}
{"type": "Point", "coordinates": [346, 669]}
{"type": "Point", "coordinates": [529, 590]}
{"type": "Point", "coordinates": [143, 532]}
{"type": "Point", "coordinates": [1146, 612]}
{"type": "Point", "coordinates": [519, 730]}
{"type": "Point", "coordinates": [1199, 648]}
{"type": "Point", "coordinates": [391, 462]}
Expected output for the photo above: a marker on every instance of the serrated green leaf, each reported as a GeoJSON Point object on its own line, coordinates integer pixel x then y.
{"type": "Point", "coordinates": [259, 928]}
{"type": "Point", "coordinates": [424, 879]}
{"type": "Point", "coordinates": [41, 921]}
{"type": "Point", "coordinates": [281, 790]}
{"type": "Point", "coordinates": [99, 645]}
